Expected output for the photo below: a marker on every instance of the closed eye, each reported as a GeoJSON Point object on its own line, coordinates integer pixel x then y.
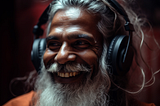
{"type": "Point", "coordinates": [81, 44]}
{"type": "Point", "coordinates": [53, 45]}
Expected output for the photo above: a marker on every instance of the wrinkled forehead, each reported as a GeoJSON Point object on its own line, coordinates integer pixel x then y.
{"type": "Point", "coordinates": [72, 18]}
{"type": "Point", "coordinates": [76, 16]}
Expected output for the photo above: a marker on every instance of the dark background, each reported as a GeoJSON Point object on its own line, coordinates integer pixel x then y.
{"type": "Point", "coordinates": [17, 18]}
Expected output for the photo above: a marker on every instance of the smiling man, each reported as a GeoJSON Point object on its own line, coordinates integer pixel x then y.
{"type": "Point", "coordinates": [76, 63]}
{"type": "Point", "coordinates": [71, 60]}
{"type": "Point", "coordinates": [73, 39]}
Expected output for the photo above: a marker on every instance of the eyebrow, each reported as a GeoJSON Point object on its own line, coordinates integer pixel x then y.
{"type": "Point", "coordinates": [51, 38]}
{"type": "Point", "coordinates": [77, 36]}
{"type": "Point", "coordinates": [74, 36]}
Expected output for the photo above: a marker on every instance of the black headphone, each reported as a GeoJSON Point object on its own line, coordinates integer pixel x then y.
{"type": "Point", "coordinates": [119, 55]}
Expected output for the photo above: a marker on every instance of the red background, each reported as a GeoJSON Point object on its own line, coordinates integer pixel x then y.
{"type": "Point", "coordinates": [17, 18]}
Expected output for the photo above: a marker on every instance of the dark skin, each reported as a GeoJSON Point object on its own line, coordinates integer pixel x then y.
{"type": "Point", "coordinates": [74, 37]}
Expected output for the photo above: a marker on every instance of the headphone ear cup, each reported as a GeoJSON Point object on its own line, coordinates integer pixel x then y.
{"type": "Point", "coordinates": [38, 48]}
{"type": "Point", "coordinates": [115, 55]}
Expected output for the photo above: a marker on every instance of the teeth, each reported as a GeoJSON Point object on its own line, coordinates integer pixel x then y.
{"type": "Point", "coordinates": [69, 74]}
{"type": "Point", "coordinates": [66, 74]}
{"type": "Point", "coordinates": [74, 73]}
{"type": "Point", "coordinates": [62, 74]}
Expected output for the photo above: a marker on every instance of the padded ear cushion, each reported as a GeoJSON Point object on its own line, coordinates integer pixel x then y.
{"type": "Point", "coordinates": [39, 46]}
{"type": "Point", "coordinates": [115, 55]}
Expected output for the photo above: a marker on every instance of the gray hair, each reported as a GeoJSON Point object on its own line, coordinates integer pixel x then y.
{"type": "Point", "coordinates": [109, 20]}
{"type": "Point", "coordinates": [110, 24]}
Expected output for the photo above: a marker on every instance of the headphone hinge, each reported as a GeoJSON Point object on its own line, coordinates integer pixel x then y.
{"type": "Point", "coordinates": [129, 27]}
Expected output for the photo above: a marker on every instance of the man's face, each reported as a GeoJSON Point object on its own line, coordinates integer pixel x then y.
{"type": "Point", "coordinates": [73, 37]}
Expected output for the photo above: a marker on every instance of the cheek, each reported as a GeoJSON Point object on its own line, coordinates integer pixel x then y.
{"type": "Point", "coordinates": [48, 57]}
{"type": "Point", "coordinates": [90, 58]}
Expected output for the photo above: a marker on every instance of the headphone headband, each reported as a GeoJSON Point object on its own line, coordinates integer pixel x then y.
{"type": "Point", "coordinates": [44, 18]}
{"type": "Point", "coordinates": [37, 30]}
{"type": "Point", "coordinates": [119, 8]}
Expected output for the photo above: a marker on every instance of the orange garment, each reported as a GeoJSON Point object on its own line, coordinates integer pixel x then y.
{"type": "Point", "coordinates": [145, 104]}
{"type": "Point", "coordinates": [25, 99]}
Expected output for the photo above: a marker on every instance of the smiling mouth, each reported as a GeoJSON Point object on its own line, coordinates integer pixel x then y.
{"type": "Point", "coordinates": [67, 74]}
{"type": "Point", "coordinates": [69, 77]}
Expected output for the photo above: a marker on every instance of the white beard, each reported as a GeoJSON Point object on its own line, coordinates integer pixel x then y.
{"type": "Point", "coordinates": [88, 93]}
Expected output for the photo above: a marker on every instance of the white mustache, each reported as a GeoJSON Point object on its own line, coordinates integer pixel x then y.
{"type": "Point", "coordinates": [68, 67]}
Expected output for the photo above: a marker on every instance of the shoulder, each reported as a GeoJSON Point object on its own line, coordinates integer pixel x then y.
{"type": "Point", "coordinates": [23, 100]}
{"type": "Point", "coordinates": [135, 102]}
{"type": "Point", "coordinates": [147, 104]}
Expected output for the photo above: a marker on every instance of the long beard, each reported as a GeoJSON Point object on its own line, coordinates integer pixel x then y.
{"type": "Point", "coordinates": [90, 92]}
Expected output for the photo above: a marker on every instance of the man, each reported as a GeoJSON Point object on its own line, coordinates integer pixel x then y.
{"type": "Point", "coordinates": [75, 71]}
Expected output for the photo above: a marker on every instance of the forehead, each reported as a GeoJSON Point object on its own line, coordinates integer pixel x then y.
{"type": "Point", "coordinates": [75, 20]}
{"type": "Point", "coordinates": [74, 16]}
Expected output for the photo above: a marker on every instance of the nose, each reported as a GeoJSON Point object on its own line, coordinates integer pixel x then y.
{"type": "Point", "coordinates": [65, 54]}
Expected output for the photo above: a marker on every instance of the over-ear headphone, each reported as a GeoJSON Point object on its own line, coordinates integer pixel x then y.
{"type": "Point", "coordinates": [119, 55]}
{"type": "Point", "coordinates": [39, 44]}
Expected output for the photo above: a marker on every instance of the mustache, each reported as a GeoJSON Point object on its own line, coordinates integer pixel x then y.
{"type": "Point", "coordinates": [68, 67]}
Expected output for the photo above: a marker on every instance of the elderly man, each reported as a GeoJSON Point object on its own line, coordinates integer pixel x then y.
{"type": "Point", "coordinates": [76, 65]}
